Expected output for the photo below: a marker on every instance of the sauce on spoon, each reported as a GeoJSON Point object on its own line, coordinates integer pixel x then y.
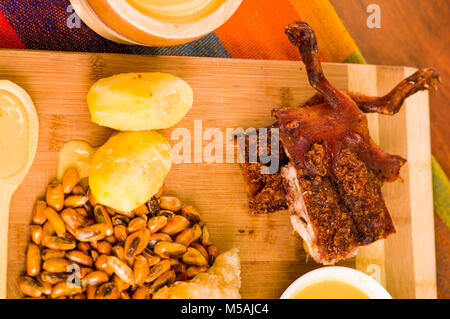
{"type": "Point", "coordinates": [14, 134]}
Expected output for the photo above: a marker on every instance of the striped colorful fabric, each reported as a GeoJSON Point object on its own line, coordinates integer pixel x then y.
{"type": "Point", "coordinates": [254, 32]}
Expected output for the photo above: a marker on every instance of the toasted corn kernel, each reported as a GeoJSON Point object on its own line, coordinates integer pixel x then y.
{"type": "Point", "coordinates": [33, 260]}
{"type": "Point", "coordinates": [120, 232]}
{"type": "Point", "coordinates": [55, 220]}
{"type": "Point", "coordinates": [64, 289]}
{"type": "Point", "coordinates": [197, 231]}
{"type": "Point", "coordinates": [56, 265]}
{"type": "Point", "coordinates": [213, 252]}
{"type": "Point", "coordinates": [186, 237]}
{"type": "Point", "coordinates": [82, 211]}
{"type": "Point", "coordinates": [107, 291]}
{"type": "Point", "coordinates": [70, 179]}
{"type": "Point", "coordinates": [140, 270]}
{"type": "Point", "coordinates": [127, 214]}
{"type": "Point", "coordinates": [92, 199]}
{"type": "Point", "coordinates": [206, 241]}
{"type": "Point", "coordinates": [38, 216]}
{"type": "Point", "coordinates": [53, 278]}
{"type": "Point", "coordinates": [156, 223]}
{"type": "Point", "coordinates": [152, 258]}
{"type": "Point", "coordinates": [120, 284]}
{"type": "Point", "coordinates": [30, 287]}
{"type": "Point", "coordinates": [111, 239]}
{"type": "Point", "coordinates": [94, 278]}
{"type": "Point", "coordinates": [155, 238]}
{"type": "Point", "coordinates": [55, 196]}
{"type": "Point", "coordinates": [101, 263]}
{"type": "Point", "coordinates": [73, 219]}
{"type": "Point", "coordinates": [173, 261]}
{"type": "Point", "coordinates": [136, 224]}
{"type": "Point", "coordinates": [78, 190]}
{"type": "Point", "coordinates": [192, 271]}
{"type": "Point", "coordinates": [46, 286]}
{"type": "Point", "coordinates": [153, 206]}
{"type": "Point", "coordinates": [120, 220]}
{"type": "Point", "coordinates": [165, 279]}
{"type": "Point", "coordinates": [131, 244]}
{"type": "Point", "coordinates": [75, 201]}
{"type": "Point", "coordinates": [191, 214]}
{"type": "Point", "coordinates": [180, 271]}
{"type": "Point", "coordinates": [170, 203]}
{"type": "Point", "coordinates": [201, 249]}
{"type": "Point", "coordinates": [167, 213]}
{"type": "Point", "coordinates": [80, 258]}
{"type": "Point", "coordinates": [90, 292]}
{"type": "Point", "coordinates": [94, 254]}
{"type": "Point", "coordinates": [141, 292]}
{"type": "Point", "coordinates": [52, 253]}
{"type": "Point", "coordinates": [84, 182]}
{"type": "Point", "coordinates": [102, 217]}
{"type": "Point", "coordinates": [84, 247]}
{"type": "Point", "coordinates": [36, 234]}
{"type": "Point", "coordinates": [59, 243]}
{"type": "Point", "coordinates": [136, 243]}
{"type": "Point", "coordinates": [175, 224]}
{"type": "Point", "coordinates": [69, 236]}
{"type": "Point", "coordinates": [92, 232]}
{"type": "Point", "coordinates": [118, 252]}
{"type": "Point", "coordinates": [141, 210]}
{"type": "Point", "coordinates": [157, 270]}
{"type": "Point", "coordinates": [84, 271]}
{"type": "Point", "coordinates": [167, 249]}
{"type": "Point", "coordinates": [79, 296]}
{"type": "Point", "coordinates": [122, 270]}
{"type": "Point", "coordinates": [104, 247]}
{"type": "Point", "coordinates": [194, 257]}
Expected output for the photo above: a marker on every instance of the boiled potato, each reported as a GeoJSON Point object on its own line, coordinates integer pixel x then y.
{"type": "Point", "coordinates": [129, 169]}
{"type": "Point", "coordinates": [139, 101]}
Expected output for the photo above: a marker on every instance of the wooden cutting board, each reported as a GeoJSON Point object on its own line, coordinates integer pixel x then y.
{"type": "Point", "coordinates": [232, 93]}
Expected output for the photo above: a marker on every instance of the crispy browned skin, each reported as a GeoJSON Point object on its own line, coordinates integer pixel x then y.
{"type": "Point", "coordinates": [335, 186]}
{"type": "Point", "coordinates": [265, 191]}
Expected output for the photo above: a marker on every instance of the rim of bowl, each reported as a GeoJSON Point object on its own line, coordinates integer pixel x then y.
{"type": "Point", "coordinates": [356, 278]}
{"type": "Point", "coordinates": [170, 30]}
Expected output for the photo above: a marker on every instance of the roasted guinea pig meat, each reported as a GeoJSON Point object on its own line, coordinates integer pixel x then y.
{"type": "Point", "coordinates": [332, 181]}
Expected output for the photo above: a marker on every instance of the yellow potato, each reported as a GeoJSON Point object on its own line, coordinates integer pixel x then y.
{"type": "Point", "coordinates": [129, 169]}
{"type": "Point", "coordinates": [139, 101]}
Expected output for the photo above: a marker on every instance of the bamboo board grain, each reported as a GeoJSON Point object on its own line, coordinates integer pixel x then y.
{"type": "Point", "coordinates": [231, 94]}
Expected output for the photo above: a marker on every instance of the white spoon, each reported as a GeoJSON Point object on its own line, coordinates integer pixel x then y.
{"type": "Point", "coordinates": [19, 130]}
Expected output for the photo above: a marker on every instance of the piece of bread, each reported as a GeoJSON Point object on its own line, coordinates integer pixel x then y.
{"type": "Point", "coordinates": [221, 281]}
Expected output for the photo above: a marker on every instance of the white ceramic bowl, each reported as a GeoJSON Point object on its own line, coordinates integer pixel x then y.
{"type": "Point", "coordinates": [355, 278]}
{"type": "Point", "coordinates": [119, 21]}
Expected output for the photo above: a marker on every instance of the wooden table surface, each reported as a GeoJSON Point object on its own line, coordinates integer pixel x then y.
{"type": "Point", "coordinates": [413, 33]}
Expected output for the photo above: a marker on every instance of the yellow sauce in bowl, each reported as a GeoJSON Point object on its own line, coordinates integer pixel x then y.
{"type": "Point", "coordinates": [177, 11]}
{"type": "Point", "coordinates": [329, 289]}
{"type": "Point", "coordinates": [14, 136]}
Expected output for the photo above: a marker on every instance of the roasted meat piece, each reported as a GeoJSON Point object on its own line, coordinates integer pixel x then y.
{"type": "Point", "coordinates": [332, 180]}
{"type": "Point", "coordinates": [265, 191]}
{"type": "Point", "coordinates": [333, 183]}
